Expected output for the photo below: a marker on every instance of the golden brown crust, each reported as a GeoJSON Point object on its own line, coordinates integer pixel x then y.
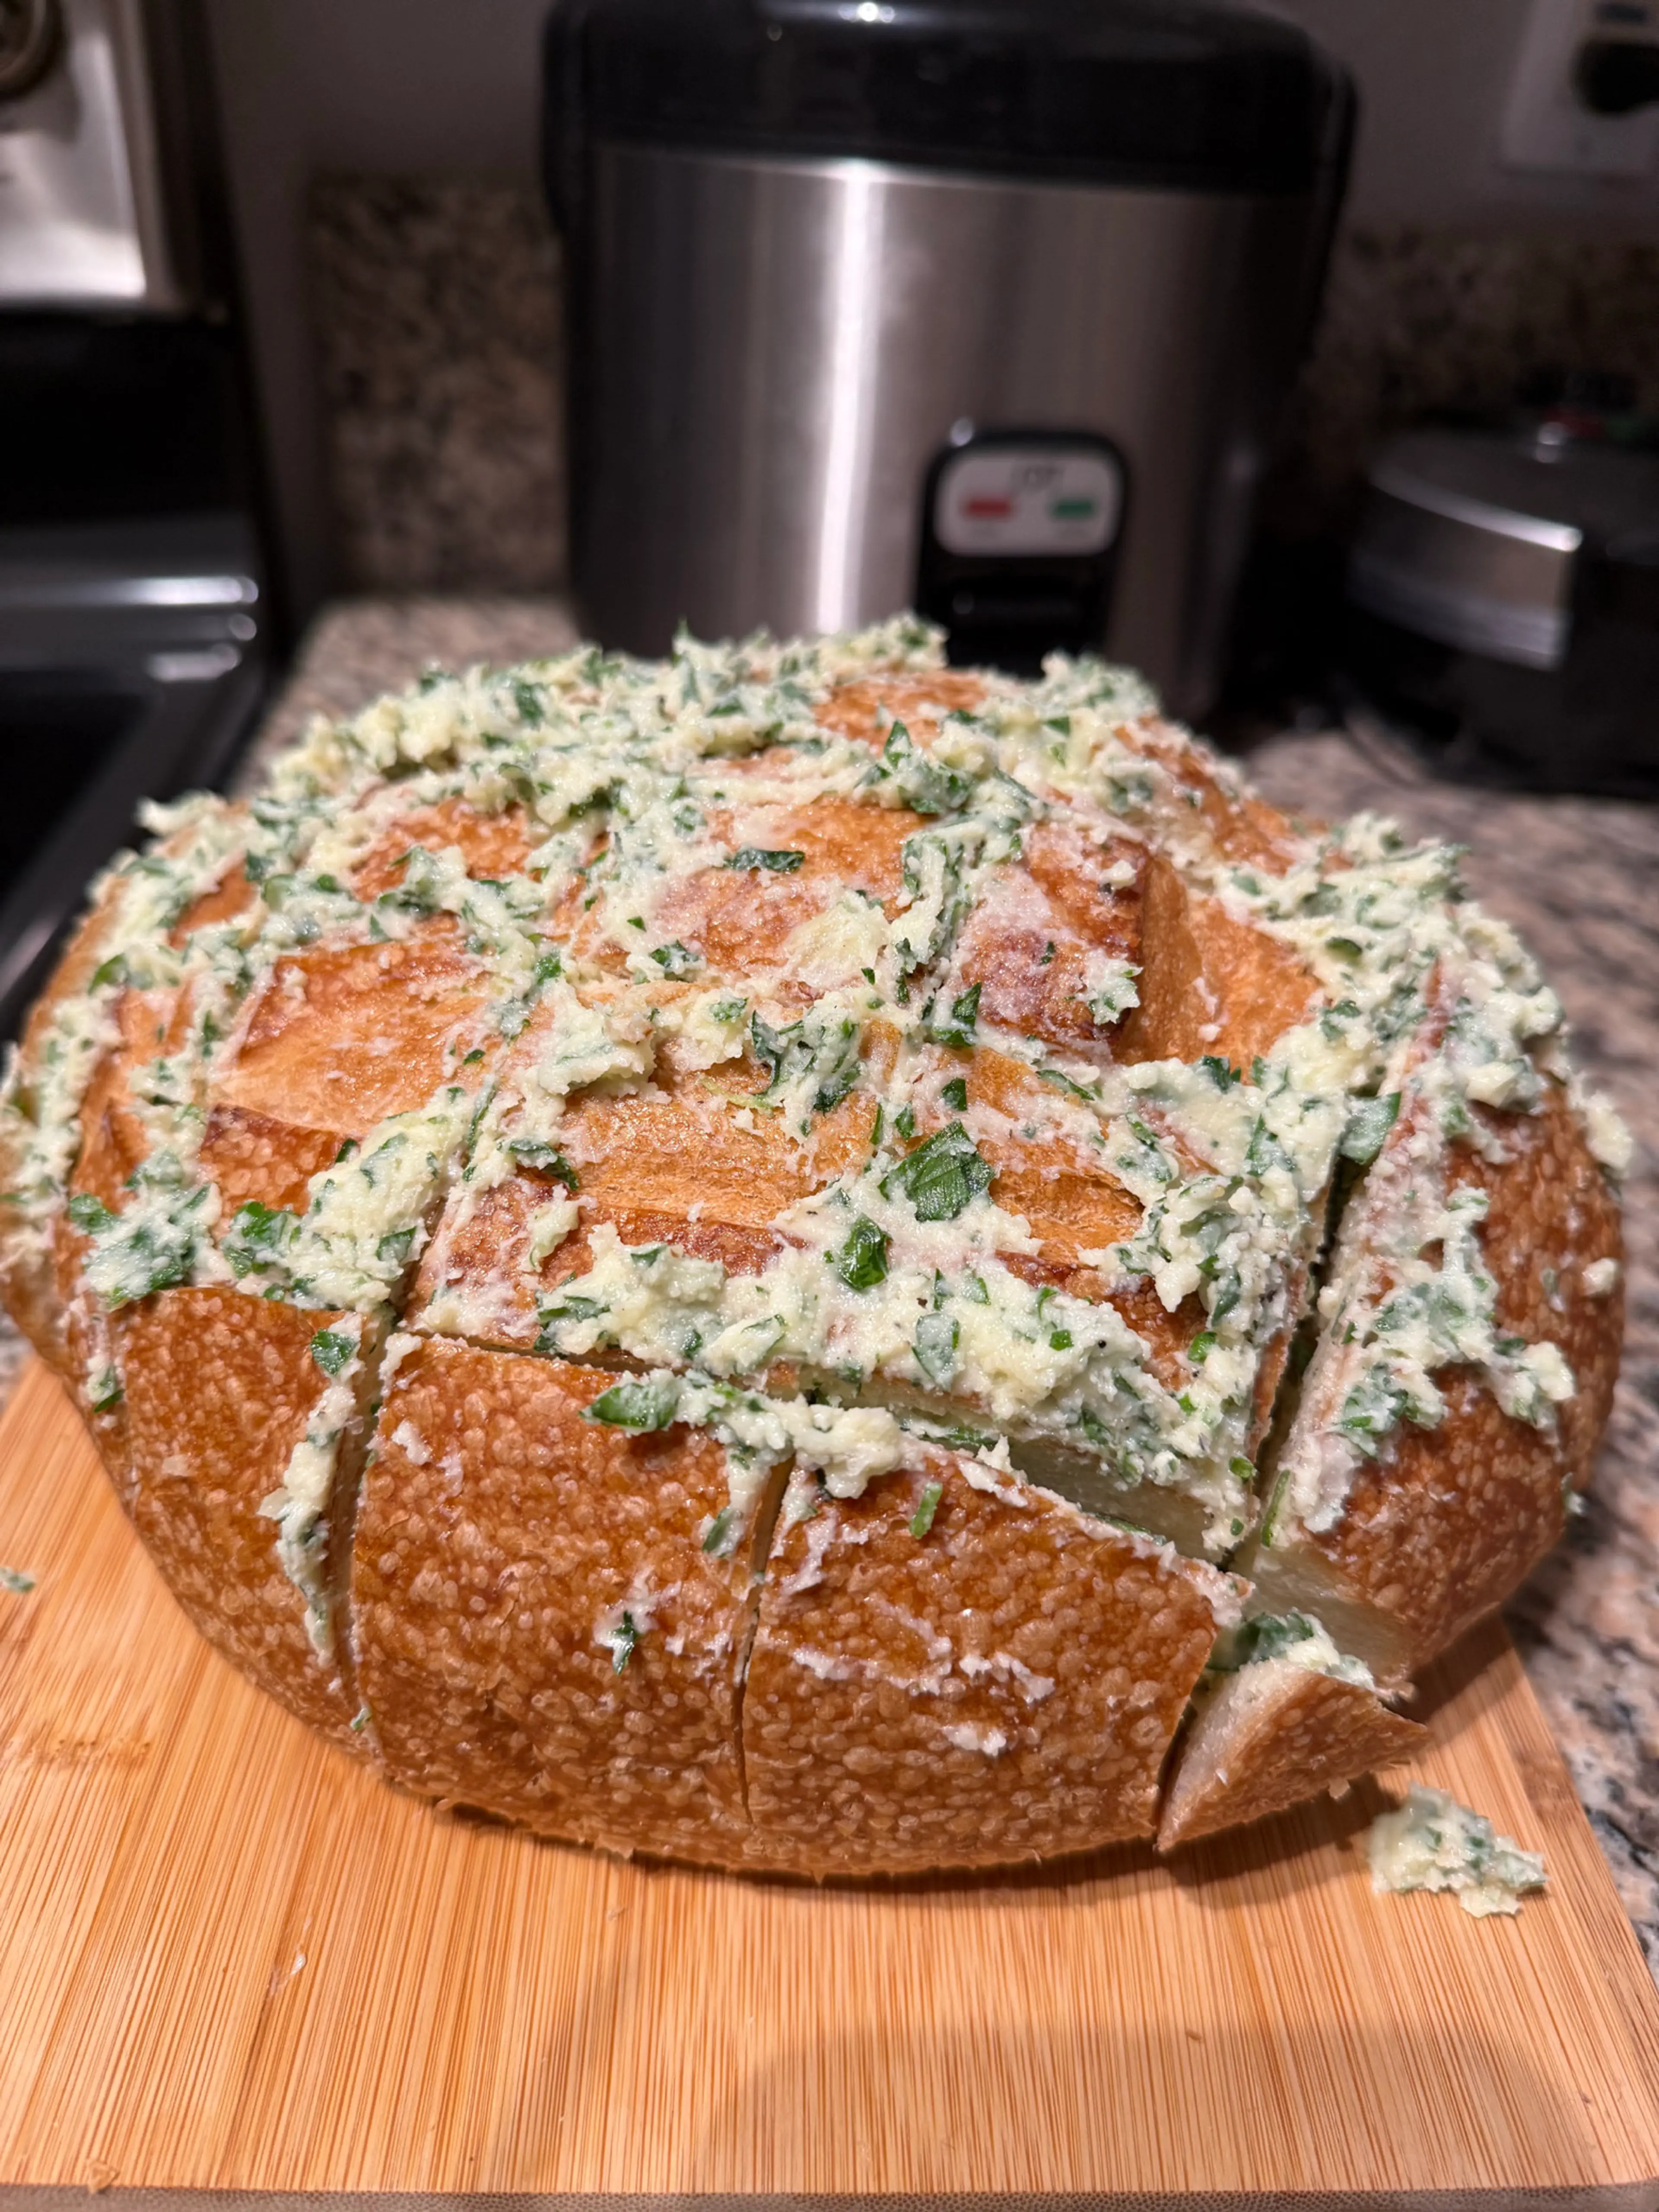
{"type": "Point", "coordinates": [1243, 828]}
{"type": "Point", "coordinates": [89, 1358]}
{"type": "Point", "coordinates": [501, 1539]}
{"type": "Point", "coordinates": [740, 919]}
{"type": "Point", "coordinates": [1209, 984]}
{"type": "Point", "coordinates": [1551, 1216]}
{"type": "Point", "coordinates": [342, 1036]}
{"type": "Point", "coordinates": [231, 896]}
{"type": "Point", "coordinates": [671, 1166]}
{"type": "Point", "coordinates": [1270, 1736]}
{"type": "Point", "coordinates": [867, 708]}
{"type": "Point", "coordinates": [1032, 941]}
{"type": "Point", "coordinates": [112, 1140]}
{"type": "Point", "coordinates": [219, 1390]}
{"type": "Point", "coordinates": [1004, 1685]}
{"type": "Point", "coordinates": [1070, 1201]}
{"type": "Point", "coordinates": [490, 845]}
{"type": "Point", "coordinates": [256, 1159]}
{"type": "Point", "coordinates": [82, 956]}
{"type": "Point", "coordinates": [672, 1155]}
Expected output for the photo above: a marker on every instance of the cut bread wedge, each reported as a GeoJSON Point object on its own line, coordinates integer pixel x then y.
{"type": "Point", "coordinates": [1270, 1736]}
{"type": "Point", "coordinates": [550, 1612]}
{"type": "Point", "coordinates": [949, 1673]}
{"type": "Point", "coordinates": [1438, 1523]}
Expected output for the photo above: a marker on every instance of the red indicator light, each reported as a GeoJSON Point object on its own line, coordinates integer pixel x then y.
{"type": "Point", "coordinates": [987, 510]}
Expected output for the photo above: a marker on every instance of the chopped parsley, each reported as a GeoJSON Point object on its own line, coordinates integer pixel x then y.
{"type": "Point", "coordinates": [925, 785]}
{"type": "Point", "coordinates": [651, 1403]}
{"type": "Point", "coordinates": [1369, 1121]}
{"type": "Point", "coordinates": [942, 1177]}
{"type": "Point", "coordinates": [545, 1159]}
{"type": "Point", "coordinates": [257, 1238]}
{"type": "Point", "coordinates": [676, 960]}
{"type": "Point", "coordinates": [332, 1350]}
{"type": "Point", "coordinates": [721, 1538]}
{"type": "Point", "coordinates": [935, 1347]}
{"type": "Point", "coordinates": [862, 1261]}
{"type": "Point", "coordinates": [757, 859]}
{"type": "Point", "coordinates": [957, 1032]}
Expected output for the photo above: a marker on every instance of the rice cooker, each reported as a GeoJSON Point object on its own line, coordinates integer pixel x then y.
{"type": "Point", "coordinates": [983, 306]}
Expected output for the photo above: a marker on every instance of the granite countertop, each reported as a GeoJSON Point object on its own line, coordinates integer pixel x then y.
{"type": "Point", "coordinates": [1580, 879]}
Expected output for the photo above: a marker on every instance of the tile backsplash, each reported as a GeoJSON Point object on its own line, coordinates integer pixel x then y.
{"type": "Point", "coordinates": [437, 312]}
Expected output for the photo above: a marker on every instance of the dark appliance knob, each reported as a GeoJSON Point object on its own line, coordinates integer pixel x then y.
{"type": "Point", "coordinates": [31, 32]}
{"type": "Point", "coordinates": [1615, 76]}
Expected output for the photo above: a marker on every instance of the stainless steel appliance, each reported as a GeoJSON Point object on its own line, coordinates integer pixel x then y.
{"type": "Point", "coordinates": [134, 622]}
{"type": "Point", "coordinates": [985, 305]}
{"type": "Point", "coordinates": [96, 204]}
{"type": "Point", "coordinates": [1505, 594]}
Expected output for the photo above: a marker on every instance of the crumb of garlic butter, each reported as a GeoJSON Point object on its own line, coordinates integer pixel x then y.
{"type": "Point", "coordinates": [1431, 1842]}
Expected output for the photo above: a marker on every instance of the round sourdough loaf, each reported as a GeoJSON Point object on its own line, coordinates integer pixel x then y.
{"type": "Point", "coordinates": [806, 1260]}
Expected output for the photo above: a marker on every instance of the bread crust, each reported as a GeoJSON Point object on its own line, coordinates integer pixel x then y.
{"type": "Point", "coordinates": [1271, 1736]}
{"type": "Point", "coordinates": [220, 1389]}
{"type": "Point", "coordinates": [502, 1538]}
{"type": "Point", "coordinates": [1209, 984]}
{"type": "Point", "coordinates": [29, 1284]}
{"type": "Point", "coordinates": [1002, 1684]}
{"type": "Point", "coordinates": [342, 1036]}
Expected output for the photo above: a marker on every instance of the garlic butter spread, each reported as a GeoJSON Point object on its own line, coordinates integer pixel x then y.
{"type": "Point", "coordinates": [1298, 1638]}
{"type": "Point", "coordinates": [899, 1310]}
{"type": "Point", "coordinates": [1431, 1842]}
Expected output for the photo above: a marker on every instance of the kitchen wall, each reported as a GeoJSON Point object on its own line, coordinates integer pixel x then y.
{"type": "Point", "coordinates": [402, 283]}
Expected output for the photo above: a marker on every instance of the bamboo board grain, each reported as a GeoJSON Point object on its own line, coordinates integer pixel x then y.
{"type": "Point", "coordinates": [230, 1961]}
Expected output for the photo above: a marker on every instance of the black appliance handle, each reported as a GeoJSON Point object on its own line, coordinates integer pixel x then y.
{"type": "Point", "coordinates": [563, 134]}
{"type": "Point", "coordinates": [189, 738]}
{"type": "Point", "coordinates": [1331, 190]}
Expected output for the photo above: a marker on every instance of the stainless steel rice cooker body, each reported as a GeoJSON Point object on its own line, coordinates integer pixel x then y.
{"type": "Point", "coordinates": [985, 307]}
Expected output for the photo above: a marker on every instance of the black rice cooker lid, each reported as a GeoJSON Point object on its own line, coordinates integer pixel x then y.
{"type": "Point", "coordinates": [1185, 95]}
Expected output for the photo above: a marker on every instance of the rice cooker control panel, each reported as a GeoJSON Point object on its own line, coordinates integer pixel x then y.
{"type": "Point", "coordinates": [1019, 532]}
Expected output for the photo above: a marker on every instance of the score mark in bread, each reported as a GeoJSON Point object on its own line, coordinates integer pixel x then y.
{"type": "Point", "coordinates": [802, 1260]}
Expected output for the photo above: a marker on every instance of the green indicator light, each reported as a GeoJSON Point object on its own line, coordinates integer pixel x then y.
{"type": "Point", "coordinates": [1072, 510]}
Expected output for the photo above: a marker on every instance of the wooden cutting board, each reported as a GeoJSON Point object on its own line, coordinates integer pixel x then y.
{"type": "Point", "coordinates": [230, 1961]}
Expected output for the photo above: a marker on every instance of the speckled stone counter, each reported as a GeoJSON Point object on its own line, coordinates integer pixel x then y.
{"type": "Point", "coordinates": [1580, 879]}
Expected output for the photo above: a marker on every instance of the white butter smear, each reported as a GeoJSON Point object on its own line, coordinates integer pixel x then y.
{"type": "Point", "coordinates": [1431, 1842]}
